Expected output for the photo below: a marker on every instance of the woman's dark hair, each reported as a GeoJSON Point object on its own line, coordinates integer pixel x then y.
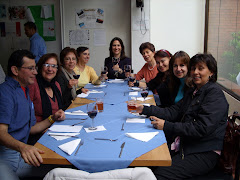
{"type": "Point", "coordinates": [174, 81]}
{"type": "Point", "coordinates": [64, 52]}
{"type": "Point", "coordinates": [43, 60]}
{"type": "Point", "coordinates": [146, 45]}
{"type": "Point", "coordinates": [163, 53]}
{"type": "Point", "coordinates": [122, 45]}
{"type": "Point", "coordinates": [80, 50]}
{"type": "Point", "coordinates": [16, 59]}
{"type": "Point", "coordinates": [209, 60]}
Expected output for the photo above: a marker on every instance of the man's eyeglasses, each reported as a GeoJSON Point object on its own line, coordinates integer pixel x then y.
{"type": "Point", "coordinates": [50, 65]}
{"type": "Point", "coordinates": [31, 68]}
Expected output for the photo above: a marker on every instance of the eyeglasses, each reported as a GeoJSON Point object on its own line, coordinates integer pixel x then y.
{"type": "Point", "coordinates": [31, 68]}
{"type": "Point", "coordinates": [50, 65]}
{"type": "Point", "coordinates": [69, 59]}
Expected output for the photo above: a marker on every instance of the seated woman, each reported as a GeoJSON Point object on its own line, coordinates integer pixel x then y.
{"type": "Point", "coordinates": [45, 93]}
{"type": "Point", "coordinates": [117, 51]}
{"type": "Point", "coordinates": [68, 59]}
{"type": "Point", "coordinates": [87, 73]}
{"type": "Point", "coordinates": [149, 70]}
{"type": "Point", "coordinates": [198, 122]}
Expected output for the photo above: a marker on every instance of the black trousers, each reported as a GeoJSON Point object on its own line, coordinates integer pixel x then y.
{"type": "Point", "coordinates": [192, 165]}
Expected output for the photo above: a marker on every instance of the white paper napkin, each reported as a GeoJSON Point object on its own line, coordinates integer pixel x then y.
{"type": "Point", "coordinates": [62, 136]}
{"type": "Point", "coordinates": [116, 81]}
{"type": "Point", "coordinates": [83, 95]}
{"type": "Point", "coordinates": [78, 112]}
{"type": "Point", "coordinates": [135, 93]}
{"type": "Point", "coordinates": [99, 128]}
{"type": "Point", "coordinates": [142, 99]}
{"type": "Point", "coordinates": [70, 146]}
{"type": "Point", "coordinates": [101, 85]}
{"type": "Point", "coordinates": [95, 91]}
{"type": "Point", "coordinates": [142, 136]}
{"type": "Point", "coordinates": [135, 120]}
{"type": "Point", "coordinates": [135, 88]}
{"type": "Point", "coordinates": [65, 128]}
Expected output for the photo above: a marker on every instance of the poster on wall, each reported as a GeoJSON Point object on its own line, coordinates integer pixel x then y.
{"type": "Point", "coordinates": [48, 28]}
{"type": "Point", "coordinates": [2, 11]}
{"type": "Point", "coordinates": [90, 18]}
{"type": "Point", "coordinates": [16, 12]}
{"type": "Point", "coordinates": [79, 37]}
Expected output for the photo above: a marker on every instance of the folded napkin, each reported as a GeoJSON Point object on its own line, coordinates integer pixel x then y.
{"type": "Point", "coordinates": [116, 81]}
{"type": "Point", "coordinates": [65, 128]}
{"type": "Point", "coordinates": [62, 136]}
{"type": "Point", "coordinates": [135, 93]}
{"type": "Point", "coordinates": [142, 136]}
{"type": "Point", "coordinates": [79, 112]}
{"type": "Point", "coordinates": [142, 99]}
{"type": "Point", "coordinates": [135, 120]}
{"type": "Point", "coordinates": [83, 95]}
{"type": "Point", "coordinates": [70, 146]}
{"type": "Point", "coordinates": [99, 128]}
{"type": "Point", "coordinates": [135, 88]}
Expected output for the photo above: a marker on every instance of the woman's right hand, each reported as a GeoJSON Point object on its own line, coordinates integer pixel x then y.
{"type": "Point", "coordinates": [139, 108]}
{"type": "Point", "coordinates": [72, 82]}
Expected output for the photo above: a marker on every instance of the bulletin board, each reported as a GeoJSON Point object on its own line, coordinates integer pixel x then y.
{"type": "Point", "coordinates": [40, 22]}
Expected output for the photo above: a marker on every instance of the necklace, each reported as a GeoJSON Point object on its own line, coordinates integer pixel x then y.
{"type": "Point", "coordinates": [150, 69]}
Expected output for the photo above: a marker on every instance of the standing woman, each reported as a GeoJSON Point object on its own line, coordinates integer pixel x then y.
{"type": "Point", "coordinates": [117, 50]}
{"type": "Point", "coordinates": [87, 73]}
{"type": "Point", "coordinates": [199, 121]}
{"type": "Point", "coordinates": [149, 71]}
{"type": "Point", "coordinates": [68, 59]}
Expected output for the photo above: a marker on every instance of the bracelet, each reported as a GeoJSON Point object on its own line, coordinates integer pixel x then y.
{"type": "Point", "coordinates": [51, 119]}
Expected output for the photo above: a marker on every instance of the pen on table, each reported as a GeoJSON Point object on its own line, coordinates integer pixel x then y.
{"type": "Point", "coordinates": [122, 146]}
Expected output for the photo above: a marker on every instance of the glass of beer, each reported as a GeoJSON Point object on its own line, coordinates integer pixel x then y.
{"type": "Point", "coordinates": [99, 102]}
{"type": "Point", "coordinates": [131, 104]}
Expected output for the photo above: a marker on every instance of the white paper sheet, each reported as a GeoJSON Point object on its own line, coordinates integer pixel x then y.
{"type": "Point", "coordinates": [78, 112]}
{"type": "Point", "coordinates": [65, 128]}
{"type": "Point", "coordinates": [62, 136]}
{"type": "Point", "coordinates": [135, 120]}
{"type": "Point", "coordinates": [99, 128]}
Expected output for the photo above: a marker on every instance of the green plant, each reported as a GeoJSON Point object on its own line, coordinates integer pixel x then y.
{"type": "Point", "coordinates": [231, 66]}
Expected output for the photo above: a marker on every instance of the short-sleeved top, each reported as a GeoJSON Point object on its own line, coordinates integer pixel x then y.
{"type": "Point", "coordinates": [37, 46]}
{"type": "Point", "coordinates": [122, 63]}
{"type": "Point", "coordinates": [88, 75]}
{"type": "Point", "coordinates": [147, 73]}
{"type": "Point", "coordinates": [16, 110]}
{"type": "Point", "coordinates": [35, 96]}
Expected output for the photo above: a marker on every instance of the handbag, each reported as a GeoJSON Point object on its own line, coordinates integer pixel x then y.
{"type": "Point", "coordinates": [229, 160]}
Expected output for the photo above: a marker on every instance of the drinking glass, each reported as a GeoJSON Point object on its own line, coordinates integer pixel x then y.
{"type": "Point", "coordinates": [92, 112]}
{"type": "Point", "coordinates": [131, 104]}
{"type": "Point", "coordinates": [144, 93]}
{"type": "Point", "coordinates": [104, 71]}
{"type": "Point", "coordinates": [127, 70]}
{"type": "Point", "coordinates": [76, 76]}
{"type": "Point", "coordinates": [115, 61]}
{"type": "Point", "coordinates": [99, 102]}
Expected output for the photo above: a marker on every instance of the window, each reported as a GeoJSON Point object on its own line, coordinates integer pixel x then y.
{"type": "Point", "coordinates": [223, 41]}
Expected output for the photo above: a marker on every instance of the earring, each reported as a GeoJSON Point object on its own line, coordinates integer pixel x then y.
{"type": "Point", "coordinates": [210, 77]}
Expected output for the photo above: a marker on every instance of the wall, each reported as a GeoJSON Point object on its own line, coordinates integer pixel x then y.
{"type": "Point", "coordinates": [117, 23]}
{"type": "Point", "coordinates": [11, 43]}
{"type": "Point", "coordinates": [177, 25]}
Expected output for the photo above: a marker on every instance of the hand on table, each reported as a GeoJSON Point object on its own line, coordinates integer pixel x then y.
{"type": "Point", "coordinates": [31, 155]}
{"type": "Point", "coordinates": [59, 115]}
{"type": "Point", "coordinates": [157, 122]}
{"type": "Point", "coordinates": [84, 90]}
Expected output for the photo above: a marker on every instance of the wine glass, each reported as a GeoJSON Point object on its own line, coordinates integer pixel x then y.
{"type": "Point", "coordinates": [76, 76]}
{"type": "Point", "coordinates": [104, 71]}
{"type": "Point", "coordinates": [144, 93]}
{"type": "Point", "coordinates": [115, 61]}
{"type": "Point", "coordinates": [127, 70]}
{"type": "Point", "coordinates": [92, 112]}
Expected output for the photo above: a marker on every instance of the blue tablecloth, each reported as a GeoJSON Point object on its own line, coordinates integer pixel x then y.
{"type": "Point", "coordinates": [99, 155]}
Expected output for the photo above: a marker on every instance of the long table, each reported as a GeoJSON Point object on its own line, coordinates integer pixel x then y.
{"type": "Point", "coordinates": [157, 157]}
